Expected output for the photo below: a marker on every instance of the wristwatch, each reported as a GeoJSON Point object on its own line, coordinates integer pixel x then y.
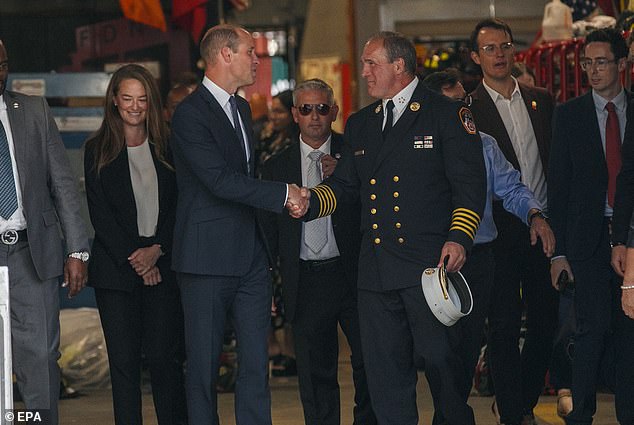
{"type": "Point", "coordinates": [83, 256]}
{"type": "Point", "coordinates": [537, 213]}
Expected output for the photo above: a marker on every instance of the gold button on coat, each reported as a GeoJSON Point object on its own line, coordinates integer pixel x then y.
{"type": "Point", "coordinates": [401, 240]}
{"type": "Point", "coordinates": [372, 181]}
{"type": "Point", "coordinates": [377, 241]}
{"type": "Point", "coordinates": [373, 211]}
{"type": "Point", "coordinates": [373, 197]}
{"type": "Point", "coordinates": [398, 225]}
{"type": "Point", "coordinates": [396, 194]}
{"type": "Point", "coordinates": [396, 208]}
{"type": "Point", "coordinates": [395, 178]}
{"type": "Point", "coordinates": [375, 226]}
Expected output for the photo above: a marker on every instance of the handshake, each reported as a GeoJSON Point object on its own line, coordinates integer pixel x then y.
{"type": "Point", "coordinates": [298, 200]}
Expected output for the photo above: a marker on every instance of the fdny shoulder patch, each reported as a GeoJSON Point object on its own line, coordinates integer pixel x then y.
{"type": "Point", "coordinates": [466, 117]}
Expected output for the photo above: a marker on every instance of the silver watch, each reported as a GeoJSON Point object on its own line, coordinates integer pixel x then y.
{"type": "Point", "coordinates": [80, 255]}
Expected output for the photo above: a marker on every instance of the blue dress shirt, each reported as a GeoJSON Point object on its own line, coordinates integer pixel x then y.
{"type": "Point", "coordinates": [503, 183]}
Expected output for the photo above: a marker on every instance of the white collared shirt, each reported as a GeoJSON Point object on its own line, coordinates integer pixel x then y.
{"type": "Point", "coordinates": [401, 100]}
{"type": "Point", "coordinates": [223, 99]}
{"type": "Point", "coordinates": [330, 250]}
{"type": "Point", "coordinates": [17, 221]}
{"type": "Point", "coordinates": [620, 105]}
{"type": "Point", "coordinates": [520, 130]}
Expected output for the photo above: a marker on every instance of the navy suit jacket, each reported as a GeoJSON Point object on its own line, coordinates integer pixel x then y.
{"type": "Point", "coordinates": [578, 179]}
{"type": "Point", "coordinates": [216, 226]}
{"type": "Point", "coordinates": [284, 233]}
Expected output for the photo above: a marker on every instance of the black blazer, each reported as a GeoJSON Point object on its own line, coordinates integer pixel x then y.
{"type": "Point", "coordinates": [284, 233]}
{"type": "Point", "coordinates": [540, 105]}
{"type": "Point", "coordinates": [414, 187]}
{"type": "Point", "coordinates": [113, 216]}
{"type": "Point", "coordinates": [578, 179]}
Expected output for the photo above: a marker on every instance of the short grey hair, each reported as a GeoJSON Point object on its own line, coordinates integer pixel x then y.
{"type": "Point", "coordinates": [314, 84]}
{"type": "Point", "coordinates": [216, 38]}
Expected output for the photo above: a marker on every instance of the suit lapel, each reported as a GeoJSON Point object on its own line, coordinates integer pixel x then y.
{"type": "Point", "coordinates": [15, 112]}
{"type": "Point", "coordinates": [228, 132]}
{"type": "Point", "coordinates": [490, 119]}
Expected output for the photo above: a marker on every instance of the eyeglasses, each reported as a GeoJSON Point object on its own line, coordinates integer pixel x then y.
{"type": "Point", "coordinates": [307, 108]}
{"type": "Point", "coordinates": [600, 63]}
{"type": "Point", "coordinates": [490, 49]}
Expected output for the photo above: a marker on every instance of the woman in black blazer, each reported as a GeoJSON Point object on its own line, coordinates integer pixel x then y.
{"type": "Point", "coordinates": [131, 189]}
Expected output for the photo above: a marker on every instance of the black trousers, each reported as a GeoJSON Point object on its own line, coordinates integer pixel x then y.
{"type": "Point", "coordinates": [399, 333]}
{"type": "Point", "coordinates": [522, 280]}
{"type": "Point", "coordinates": [326, 299]}
{"type": "Point", "coordinates": [148, 320]}
{"type": "Point", "coordinates": [600, 324]}
{"type": "Point", "coordinates": [467, 334]}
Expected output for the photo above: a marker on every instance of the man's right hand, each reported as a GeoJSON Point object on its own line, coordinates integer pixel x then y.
{"type": "Point", "coordinates": [619, 253]}
{"type": "Point", "coordinates": [556, 267]}
{"type": "Point", "coordinates": [298, 200]}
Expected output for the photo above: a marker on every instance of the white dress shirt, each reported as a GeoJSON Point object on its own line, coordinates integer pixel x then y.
{"type": "Point", "coordinates": [145, 188]}
{"type": "Point", "coordinates": [520, 130]}
{"type": "Point", "coordinates": [401, 100]}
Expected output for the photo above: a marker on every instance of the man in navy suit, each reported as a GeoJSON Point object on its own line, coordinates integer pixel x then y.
{"type": "Point", "coordinates": [319, 277]}
{"type": "Point", "coordinates": [588, 131]}
{"type": "Point", "coordinates": [219, 251]}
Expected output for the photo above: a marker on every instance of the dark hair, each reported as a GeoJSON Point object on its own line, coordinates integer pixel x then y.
{"type": "Point", "coordinates": [488, 23]}
{"type": "Point", "coordinates": [611, 36]}
{"type": "Point", "coordinates": [398, 46]}
{"type": "Point", "coordinates": [108, 141]}
{"type": "Point", "coordinates": [286, 99]}
{"type": "Point", "coordinates": [436, 81]}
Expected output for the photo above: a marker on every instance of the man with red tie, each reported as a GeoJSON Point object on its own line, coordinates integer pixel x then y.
{"type": "Point", "coordinates": [584, 161]}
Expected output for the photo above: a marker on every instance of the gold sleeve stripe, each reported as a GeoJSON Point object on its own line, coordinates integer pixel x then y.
{"type": "Point", "coordinates": [465, 223]}
{"type": "Point", "coordinates": [467, 219]}
{"type": "Point", "coordinates": [468, 231]}
{"type": "Point", "coordinates": [327, 199]}
{"type": "Point", "coordinates": [467, 212]}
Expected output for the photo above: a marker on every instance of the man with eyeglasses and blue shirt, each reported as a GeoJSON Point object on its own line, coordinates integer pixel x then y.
{"type": "Point", "coordinates": [584, 163]}
{"type": "Point", "coordinates": [318, 263]}
{"type": "Point", "coordinates": [503, 184]}
{"type": "Point", "coordinates": [519, 118]}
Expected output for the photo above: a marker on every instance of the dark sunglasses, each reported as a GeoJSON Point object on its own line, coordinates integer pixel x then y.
{"type": "Point", "coordinates": [307, 108]}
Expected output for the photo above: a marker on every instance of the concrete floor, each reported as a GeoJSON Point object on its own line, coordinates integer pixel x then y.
{"type": "Point", "coordinates": [95, 408]}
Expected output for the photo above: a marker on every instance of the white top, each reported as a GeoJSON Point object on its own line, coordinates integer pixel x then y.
{"type": "Point", "coordinates": [401, 100]}
{"type": "Point", "coordinates": [145, 188]}
{"type": "Point", "coordinates": [620, 106]}
{"type": "Point", "coordinates": [520, 130]}
{"type": "Point", "coordinates": [330, 250]}
{"type": "Point", "coordinates": [17, 221]}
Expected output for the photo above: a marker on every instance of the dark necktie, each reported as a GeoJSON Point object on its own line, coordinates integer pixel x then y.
{"type": "Point", "coordinates": [612, 150]}
{"type": "Point", "coordinates": [8, 195]}
{"type": "Point", "coordinates": [390, 118]}
{"type": "Point", "coordinates": [236, 123]}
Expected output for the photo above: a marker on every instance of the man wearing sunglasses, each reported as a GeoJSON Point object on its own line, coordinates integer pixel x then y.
{"type": "Point", "coordinates": [519, 118]}
{"type": "Point", "coordinates": [413, 158]}
{"type": "Point", "coordinates": [585, 160]}
{"type": "Point", "coordinates": [318, 263]}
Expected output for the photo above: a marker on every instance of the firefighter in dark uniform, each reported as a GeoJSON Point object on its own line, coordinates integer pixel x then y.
{"type": "Point", "coordinates": [415, 160]}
